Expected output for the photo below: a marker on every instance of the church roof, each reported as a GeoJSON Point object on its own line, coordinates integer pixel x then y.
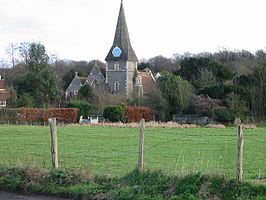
{"type": "Point", "coordinates": [122, 40]}
{"type": "Point", "coordinates": [75, 84]}
{"type": "Point", "coordinates": [95, 74]}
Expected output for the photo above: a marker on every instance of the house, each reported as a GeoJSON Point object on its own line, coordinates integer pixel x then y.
{"type": "Point", "coordinates": [4, 94]}
{"type": "Point", "coordinates": [122, 75]}
{"type": "Point", "coordinates": [144, 83]}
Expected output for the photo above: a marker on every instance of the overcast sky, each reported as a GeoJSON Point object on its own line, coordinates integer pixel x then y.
{"type": "Point", "coordinates": [84, 29]}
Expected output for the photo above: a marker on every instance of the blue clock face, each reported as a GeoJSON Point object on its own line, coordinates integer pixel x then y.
{"type": "Point", "coordinates": [116, 52]}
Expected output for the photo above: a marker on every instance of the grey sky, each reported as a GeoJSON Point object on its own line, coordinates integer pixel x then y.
{"type": "Point", "coordinates": [84, 29]}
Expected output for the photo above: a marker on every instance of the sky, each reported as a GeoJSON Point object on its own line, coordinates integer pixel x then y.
{"type": "Point", "coordinates": [84, 29]}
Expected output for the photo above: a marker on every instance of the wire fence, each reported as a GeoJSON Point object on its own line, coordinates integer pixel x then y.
{"type": "Point", "coordinates": [114, 151]}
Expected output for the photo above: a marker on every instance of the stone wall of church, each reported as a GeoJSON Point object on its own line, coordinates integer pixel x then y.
{"type": "Point", "coordinates": [119, 75]}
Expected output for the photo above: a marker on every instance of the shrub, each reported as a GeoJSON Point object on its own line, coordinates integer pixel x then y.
{"type": "Point", "coordinates": [83, 106]}
{"type": "Point", "coordinates": [114, 113]}
{"type": "Point", "coordinates": [223, 115]}
{"type": "Point", "coordinates": [9, 115]}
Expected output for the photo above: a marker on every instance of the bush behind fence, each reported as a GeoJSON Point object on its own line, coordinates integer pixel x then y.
{"type": "Point", "coordinates": [37, 116]}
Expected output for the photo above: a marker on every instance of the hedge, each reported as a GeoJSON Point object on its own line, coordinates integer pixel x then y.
{"type": "Point", "coordinates": [35, 115]}
{"type": "Point", "coordinates": [135, 113]}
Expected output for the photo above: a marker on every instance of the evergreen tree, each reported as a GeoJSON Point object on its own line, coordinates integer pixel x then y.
{"type": "Point", "coordinates": [40, 81]}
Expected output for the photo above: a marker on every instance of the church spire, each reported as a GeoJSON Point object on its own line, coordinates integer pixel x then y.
{"type": "Point", "coordinates": [122, 39]}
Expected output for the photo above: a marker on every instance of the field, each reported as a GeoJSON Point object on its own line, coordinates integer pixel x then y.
{"type": "Point", "coordinates": [113, 151]}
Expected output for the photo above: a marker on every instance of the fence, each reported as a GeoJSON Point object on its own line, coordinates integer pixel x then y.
{"type": "Point", "coordinates": [116, 151]}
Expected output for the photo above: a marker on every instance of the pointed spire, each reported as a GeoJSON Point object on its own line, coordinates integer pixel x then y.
{"type": "Point", "coordinates": [122, 39]}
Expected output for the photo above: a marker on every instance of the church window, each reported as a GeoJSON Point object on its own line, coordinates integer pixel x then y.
{"type": "Point", "coordinates": [131, 66]}
{"type": "Point", "coordinates": [116, 86]}
{"type": "Point", "coordinates": [94, 83]}
{"type": "Point", "coordinates": [76, 92]}
{"type": "Point", "coordinates": [116, 66]}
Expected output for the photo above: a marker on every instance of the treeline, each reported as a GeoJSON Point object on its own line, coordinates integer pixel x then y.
{"type": "Point", "coordinates": [223, 85]}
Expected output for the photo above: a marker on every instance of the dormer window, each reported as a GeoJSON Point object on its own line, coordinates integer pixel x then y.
{"type": "Point", "coordinates": [116, 66]}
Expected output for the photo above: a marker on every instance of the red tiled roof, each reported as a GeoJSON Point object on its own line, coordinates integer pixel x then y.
{"type": "Point", "coordinates": [148, 82]}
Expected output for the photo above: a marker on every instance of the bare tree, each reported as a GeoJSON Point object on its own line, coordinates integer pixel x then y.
{"type": "Point", "coordinates": [104, 98]}
{"type": "Point", "coordinates": [12, 53]}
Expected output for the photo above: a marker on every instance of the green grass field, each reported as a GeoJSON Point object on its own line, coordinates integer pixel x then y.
{"type": "Point", "coordinates": [113, 151]}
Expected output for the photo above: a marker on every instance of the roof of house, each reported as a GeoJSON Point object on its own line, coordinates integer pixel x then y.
{"type": "Point", "coordinates": [4, 95]}
{"type": "Point", "coordinates": [148, 81]}
{"type": "Point", "coordinates": [122, 40]}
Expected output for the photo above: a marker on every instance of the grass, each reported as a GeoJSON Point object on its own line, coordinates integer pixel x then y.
{"type": "Point", "coordinates": [112, 152]}
{"type": "Point", "coordinates": [147, 185]}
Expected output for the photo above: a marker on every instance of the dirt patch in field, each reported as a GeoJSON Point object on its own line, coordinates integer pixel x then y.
{"type": "Point", "coordinates": [215, 126]}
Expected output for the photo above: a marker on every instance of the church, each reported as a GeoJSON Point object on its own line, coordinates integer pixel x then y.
{"type": "Point", "coordinates": [122, 75]}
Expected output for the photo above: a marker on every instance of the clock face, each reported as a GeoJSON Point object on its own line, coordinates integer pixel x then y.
{"type": "Point", "coordinates": [116, 52]}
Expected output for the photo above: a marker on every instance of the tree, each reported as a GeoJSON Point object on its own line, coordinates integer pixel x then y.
{"type": "Point", "coordinates": [158, 103]}
{"type": "Point", "coordinates": [160, 63]}
{"type": "Point", "coordinates": [258, 91]}
{"type": "Point", "coordinates": [11, 51]}
{"type": "Point", "coordinates": [12, 100]}
{"type": "Point", "coordinates": [203, 72]}
{"type": "Point", "coordinates": [25, 100]}
{"type": "Point", "coordinates": [36, 58]}
{"type": "Point", "coordinates": [86, 92]}
{"type": "Point", "coordinates": [143, 65]}
{"type": "Point", "coordinates": [83, 106]}
{"type": "Point", "coordinates": [68, 77]}
{"type": "Point", "coordinates": [176, 91]}
{"type": "Point", "coordinates": [237, 105]}
{"type": "Point", "coordinates": [40, 82]}
{"type": "Point", "coordinates": [114, 113]}
{"type": "Point", "coordinates": [103, 97]}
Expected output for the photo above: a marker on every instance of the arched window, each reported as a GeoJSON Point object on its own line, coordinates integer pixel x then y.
{"type": "Point", "coordinates": [116, 86]}
{"type": "Point", "coordinates": [138, 80]}
{"type": "Point", "coordinates": [94, 83]}
{"type": "Point", "coordinates": [116, 65]}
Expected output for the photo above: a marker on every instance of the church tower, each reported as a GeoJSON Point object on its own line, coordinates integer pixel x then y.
{"type": "Point", "coordinates": [121, 60]}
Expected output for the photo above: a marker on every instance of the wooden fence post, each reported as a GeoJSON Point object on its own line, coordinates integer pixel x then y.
{"type": "Point", "coordinates": [239, 161]}
{"type": "Point", "coordinates": [141, 146]}
{"type": "Point", "coordinates": [54, 153]}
